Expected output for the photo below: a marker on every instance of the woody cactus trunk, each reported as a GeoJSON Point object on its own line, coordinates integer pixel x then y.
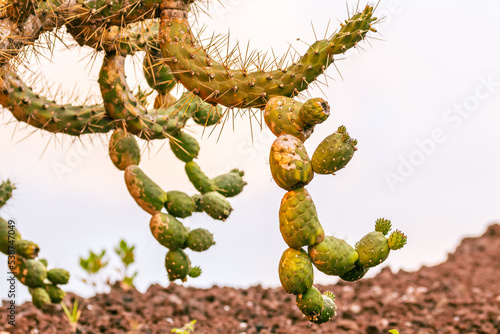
{"type": "Point", "coordinates": [161, 30]}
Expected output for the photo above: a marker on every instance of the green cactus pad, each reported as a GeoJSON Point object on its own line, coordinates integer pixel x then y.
{"type": "Point", "coordinates": [58, 276]}
{"type": "Point", "coordinates": [124, 150]}
{"type": "Point", "coordinates": [199, 240]}
{"type": "Point", "coordinates": [373, 249]}
{"type": "Point", "coordinates": [6, 188]}
{"type": "Point", "coordinates": [40, 297]}
{"type": "Point", "coordinates": [197, 202]}
{"type": "Point", "coordinates": [148, 195]}
{"type": "Point", "coordinates": [177, 264]}
{"type": "Point", "coordinates": [333, 256]}
{"type": "Point", "coordinates": [291, 167]}
{"type": "Point", "coordinates": [314, 111]}
{"type": "Point", "coordinates": [185, 147]}
{"type": "Point", "coordinates": [158, 75]}
{"type": "Point", "coordinates": [355, 274]}
{"type": "Point", "coordinates": [29, 272]}
{"type": "Point", "coordinates": [169, 232]}
{"type": "Point", "coordinates": [56, 294]}
{"type": "Point", "coordinates": [295, 271]}
{"type": "Point", "coordinates": [229, 184]}
{"type": "Point", "coordinates": [299, 224]}
{"type": "Point", "coordinates": [9, 236]}
{"type": "Point", "coordinates": [199, 180]}
{"type": "Point", "coordinates": [44, 262]}
{"type": "Point", "coordinates": [179, 204]}
{"type": "Point", "coordinates": [333, 153]}
{"type": "Point", "coordinates": [216, 205]}
{"type": "Point", "coordinates": [27, 249]}
{"type": "Point", "coordinates": [397, 240]}
{"type": "Point", "coordinates": [282, 117]}
{"type": "Point", "coordinates": [310, 303]}
{"type": "Point", "coordinates": [208, 115]}
{"type": "Point", "coordinates": [327, 312]}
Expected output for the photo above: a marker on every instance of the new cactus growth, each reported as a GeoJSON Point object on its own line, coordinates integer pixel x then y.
{"type": "Point", "coordinates": [6, 188]}
{"type": "Point", "coordinates": [178, 265]}
{"type": "Point", "coordinates": [229, 184]}
{"type": "Point", "coordinates": [199, 240]}
{"type": "Point", "coordinates": [179, 204]}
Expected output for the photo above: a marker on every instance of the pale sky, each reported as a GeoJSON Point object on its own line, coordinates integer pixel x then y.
{"type": "Point", "coordinates": [422, 99]}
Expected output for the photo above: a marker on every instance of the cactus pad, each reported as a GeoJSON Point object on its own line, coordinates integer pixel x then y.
{"type": "Point", "coordinates": [314, 111]}
{"type": "Point", "coordinates": [26, 249]}
{"type": "Point", "coordinates": [177, 264]}
{"type": "Point", "coordinates": [328, 310]}
{"type": "Point", "coordinates": [179, 204]}
{"type": "Point", "coordinates": [124, 150]}
{"type": "Point", "coordinates": [9, 236]}
{"type": "Point", "coordinates": [354, 274]}
{"type": "Point", "coordinates": [199, 180]}
{"type": "Point", "coordinates": [199, 240]}
{"type": "Point", "coordinates": [334, 152]}
{"type": "Point", "coordinates": [282, 117]}
{"type": "Point", "coordinates": [40, 297]}
{"type": "Point", "coordinates": [295, 271]}
{"type": "Point", "coordinates": [333, 256]}
{"type": "Point", "coordinates": [229, 184]}
{"type": "Point", "coordinates": [58, 276]}
{"type": "Point", "coordinates": [56, 294]}
{"type": "Point", "coordinates": [373, 249]}
{"type": "Point", "coordinates": [148, 195]}
{"type": "Point", "coordinates": [6, 188]}
{"type": "Point", "coordinates": [310, 303]}
{"type": "Point", "coordinates": [168, 231]}
{"type": "Point", "coordinates": [216, 205]}
{"type": "Point", "coordinates": [184, 146]}
{"type": "Point", "coordinates": [29, 272]}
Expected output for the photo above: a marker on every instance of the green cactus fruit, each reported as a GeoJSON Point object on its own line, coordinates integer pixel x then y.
{"type": "Point", "coordinates": [310, 303]}
{"type": "Point", "coordinates": [9, 236]}
{"type": "Point", "coordinates": [383, 225]}
{"type": "Point", "coordinates": [229, 184]}
{"type": "Point", "coordinates": [397, 240]}
{"type": "Point", "coordinates": [169, 232]}
{"type": "Point", "coordinates": [158, 75]}
{"type": "Point", "coordinates": [179, 204]}
{"type": "Point", "coordinates": [373, 249]}
{"type": "Point", "coordinates": [148, 195]}
{"type": "Point", "coordinates": [354, 274]}
{"type": "Point", "coordinates": [177, 264]}
{"type": "Point", "coordinates": [295, 271]}
{"type": "Point", "coordinates": [216, 205]}
{"type": "Point", "coordinates": [334, 152]}
{"type": "Point", "coordinates": [208, 115]}
{"type": "Point", "coordinates": [328, 310]}
{"type": "Point", "coordinates": [27, 249]}
{"type": "Point", "coordinates": [29, 272]}
{"type": "Point", "coordinates": [299, 224]}
{"type": "Point", "coordinates": [197, 202]}
{"type": "Point", "coordinates": [199, 240]}
{"type": "Point", "coordinates": [314, 111]}
{"type": "Point", "coordinates": [6, 188]}
{"type": "Point", "coordinates": [290, 165]}
{"type": "Point", "coordinates": [282, 117]}
{"type": "Point", "coordinates": [56, 294]}
{"type": "Point", "coordinates": [185, 147]}
{"type": "Point", "coordinates": [195, 272]}
{"type": "Point", "coordinates": [58, 276]}
{"type": "Point", "coordinates": [200, 181]}
{"type": "Point", "coordinates": [333, 256]}
{"type": "Point", "coordinates": [40, 297]}
{"type": "Point", "coordinates": [124, 150]}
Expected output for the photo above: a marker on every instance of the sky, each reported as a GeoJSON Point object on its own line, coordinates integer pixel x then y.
{"type": "Point", "coordinates": [421, 96]}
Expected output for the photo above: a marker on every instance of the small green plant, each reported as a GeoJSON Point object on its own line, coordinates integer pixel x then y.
{"type": "Point", "coordinates": [73, 315]}
{"type": "Point", "coordinates": [93, 265]}
{"type": "Point", "coordinates": [126, 254]}
{"type": "Point", "coordinates": [186, 329]}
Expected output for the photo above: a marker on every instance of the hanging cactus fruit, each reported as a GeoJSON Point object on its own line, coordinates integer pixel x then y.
{"type": "Point", "coordinates": [40, 297]}
{"type": "Point", "coordinates": [282, 117]}
{"type": "Point", "coordinates": [179, 204]}
{"type": "Point", "coordinates": [177, 264]}
{"type": "Point", "coordinates": [29, 272]}
{"type": "Point", "coordinates": [124, 150]}
{"type": "Point", "coordinates": [290, 165]}
{"type": "Point", "coordinates": [310, 303]}
{"type": "Point", "coordinates": [58, 276]}
{"type": "Point", "coordinates": [334, 152]}
{"type": "Point", "coordinates": [200, 240]}
{"type": "Point", "coordinates": [147, 194]}
{"type": "Point", "coordinates": [354, 274]}
{"type": "Point", "coordinates": [328, 310]}
{"type": "Point", "coordinates": [195, 272]}
{"type": "Point", "coordinates": [216, 205]}
{"type": "Point", "coordinates": [295, 271]}
{"type": "Point", "coordinates": [185, 147]}
{"type": "Point", "coordinates": [199, 180]}
{"type": "Point", "coordinates": [168, 231]}
{"type": "Point", "coordinates": [314, 111]}
{"type": "Point", "coordinates": [56, 294]}
{"type": "Point", "coordinates": [9, 236]}
{"type": "Point", "coordinates": [333, 256]}
{"type": "Point", "coordinates": [26, 249]}
{"type": "Point", "coordinates": [373, 249]}
{"type": "Point", "coordinates": [229, 184]}
{"type": "Point", "coordinates": [299, 224]}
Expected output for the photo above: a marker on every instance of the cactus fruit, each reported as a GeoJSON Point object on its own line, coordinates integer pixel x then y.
{"type": "Point", "coordinates": [354, 274]}
{"type": "Point", "coordinates": [195, 272]}
{"type": "Point", "coordinates": [328, 310]}
{"type": "Point", "coordinates": [168, 231]}
{"type": "Point", "coordinates": [185, 147]}
{"type": "Point", "coordinates": [124, 150]}
{"type": "Point", "coordinates": [295, 271]}
{"type": "Point", "coordinates": [290, 165]}
{"type": "Point", "coordinates": [334, 152]}
{"type": "Point", "coordinates": [229, 184]}
{"type": "Point", "coordinates": [177, 264]}
{"type": "Point", "coordinates": [179, 204]}
{"type": "Point", "coordinates": [6, 188]}
{"type": "Point", "coordinates": [58, 276]}
{"type": "Point", "coordinates": [333, 256]}
{"type": "Point", "coordinates": [314, 111]}
{"type": "Point", "coordinates": [282, 117]}
{"type": "Point", "coordinates": [373, 249]}
{"type": "Point", "coordinates": [216, 205]}
{"type": "Point", "coordinates": [9, 236]}
{"type": "Point", "coordinates": [199, 240]}
{"type": "Point", "coordinates": [148, 195]}
{"type": "Point", "coordinates": [26, 249]}
{"type": "Point", "coordinates": [310, 303]}
{"type": "Point", "coordinates": [299, 224]}
{"type": "Point", "coordinates": [207, 115]}
{"type": "Point", "coordinates": [29, 272]}
{"type": "Point", "coordinates": [56, 294]}
{"type": "Point", "coordinates": [200, 180]}
{"type": "Point", "coordinates": [40, 297]}
{"type": "Point", "coordinates": [397, 240]}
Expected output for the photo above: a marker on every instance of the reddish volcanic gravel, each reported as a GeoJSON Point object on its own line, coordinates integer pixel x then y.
{"type": "Point", "coordinates": [461, 295]}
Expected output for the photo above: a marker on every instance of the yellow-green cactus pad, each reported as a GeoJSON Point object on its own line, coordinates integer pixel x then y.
{"type": "Point", "coordinates": [310, 303]}
{"type": "Point", "coordinates": [26, 249]}
{"type": "Point", "coordinates": [148, 195]}
{"type": "Point", "coordinates": [6, 188]}
{"type": "Point", "coordinates": [200, 180]}
{"type": "Point", "coordinates": [56, 294]}
{"type": "Point", "coordinates": [179, 204]}
{"type": "Point", "coordinates": [334, 152]}
{"type": "Point", "coordinates": [290, 165]}
{"type": "Point", "coordinates": [229, 184]}
{"type": "Point", "coordinates": [333, 256]}
{"type": "Point", "coordinates": [40, 297]}
{"type": "Point", "coordinates": [282, 117]}
{"type": "Point", "coordinates": [158, 75]}
{"type": "Point", "coordinates": [216, 205]}
{"type": "Point", "coordinates": [124, 150]}
{"type": "Point", "coordinates": [169, 232]}
{"type": "Point", "coordinates": [177, 264]}
{"type": "Point", "coordinates": [29, 272]}
{"type": "Point", "coordinates": [200, 240]}
{"type": "Point", "coordinates": [58, 276]}
{"type": "Point", "coordinates": [373, 249]}
{"type": "Point", "coordinates": [295, 271]}
{"type": "Point", "coordinates": [9, 236]}
{"type": "Point", "coordinates": [185, 147]}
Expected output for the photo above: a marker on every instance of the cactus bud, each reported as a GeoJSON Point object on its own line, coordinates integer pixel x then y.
{"type": "Point", "coordinates": [58, 276]}
{"type": "Point", "coordinates": [397, 240]}
{"type": "Point", "coordinates": [383, 225]}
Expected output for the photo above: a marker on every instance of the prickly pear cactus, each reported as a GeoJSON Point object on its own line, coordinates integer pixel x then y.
{"type": "Point", "coordinates": [174, 57]}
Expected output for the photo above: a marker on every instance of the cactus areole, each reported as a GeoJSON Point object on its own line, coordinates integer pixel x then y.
{"type": "Point", "coordinates": [174, 56]}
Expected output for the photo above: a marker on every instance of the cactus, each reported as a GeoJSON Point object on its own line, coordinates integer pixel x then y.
{"type": "Point", "coordinates": [199, 240]}
{"type": "Point", "coordinates": [229, 184]}
{"type": "Point", "coordinates": [333, 256]}
{"type": "Point", "coordinates": [184, 146]}
{"type": "Point", "coordinates": [26, 249]}
{"type": "Point", "coordinates": [168, 231]}
{"type": "Point", "coordinates": [40, 297]}
{"type": "Point", "coordinates": [6, 188]}
{"type": "Point", "coordinates": [147, 194]}
{"type": "Point", "coordinates": [179, 204]}
{"type": "Point", "coordinates": [124, 150]}
{"type": "Point", "coordinates": [58, 276]}
{"type": "Point", "coordinates": [310, 303]}
{"type": "Point", "coordinates": [178, 265]}
{"type": "Point", "coordinates": [295, 271]}
{"type": "Point", "coordinates": [200, 180]}
{"type": "Point", "coordinates": [55, 293]}
{"type": "Point", "coordinates": [29, 272]}
{"type": "Point", "coordinates": [216, 205]}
